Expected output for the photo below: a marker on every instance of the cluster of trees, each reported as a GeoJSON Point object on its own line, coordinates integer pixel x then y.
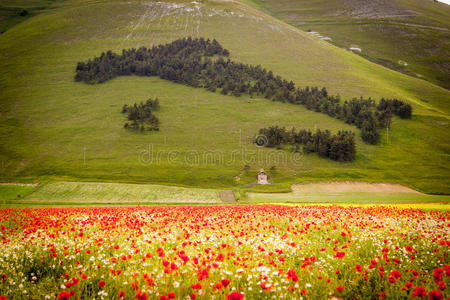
{"type": "Point", "coordinates": [180, 61]}
{"type": "Point", "coordinates": [340, 146]}
{"type": "Point", "coordinates": [141, 115]}
{"type": "Point", "coordinates": [395, 106]}
{"type": "Point", "coordinates": [190, 61]}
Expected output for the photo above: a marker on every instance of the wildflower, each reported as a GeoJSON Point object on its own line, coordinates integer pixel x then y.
{"type": "Point", "coordinates": [339, 289]}
{"type": "Point", "coordinates": [437, 274]}
{"type": "Point", "coordinates": [217, 286]}
{"type": "Point", "coordinates": [225, 282]}
{"type": "Point", "coordinates": [203, 274]}
{"type": "Point", "coordinates": [101, 284]}
{"type": "Point", "coordinates": [63, 295]}
{"type": "Point", "coordinates": [235, 296]}
{"type": "Point", "coordinates": [291, 274]}
{"type": "Point", "coordinates": [196, 286]}
{"type": "Point", "coordinates": [396, 274]}
{"type": "Point", "coordinates": [435, 295]}
{"type": "Point", "coordinates": [160, 252]}
{"type": "Point", "coordinates": [419, 292]}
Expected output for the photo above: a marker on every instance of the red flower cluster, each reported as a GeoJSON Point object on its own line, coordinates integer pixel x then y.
{"type": "Point", "coordinates": [233, 252]}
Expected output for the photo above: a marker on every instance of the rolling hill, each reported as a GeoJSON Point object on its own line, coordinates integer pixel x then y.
{"type": "Point", "coordinates": [53, 128]}
{"type": "Point", "coordinates": [409, 36]}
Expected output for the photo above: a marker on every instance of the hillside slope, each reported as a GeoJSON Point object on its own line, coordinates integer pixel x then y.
{"type": "Point", "coordinates": [54, 128]}
{"type": "Point", "coordinates": [410, 36]}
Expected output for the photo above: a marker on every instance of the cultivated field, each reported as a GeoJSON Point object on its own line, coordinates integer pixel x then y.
{"type": "Point", "coordinates": [66, 193]}
{"type": "Point", "coordinates": [353, 193]}
{"type": "Point", "coordinates": [326, 193]}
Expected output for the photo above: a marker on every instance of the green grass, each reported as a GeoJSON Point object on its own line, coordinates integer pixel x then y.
{"type": "Point", "coordinates": [115, 193]}
{"type": "Point", "coordinates": [349, 198]}
{"type": "Point", "coordinates": [13, 192]}
{"type": "Point", "coordinates": [13, 12]}
{"type": "Point", "coordinates": [421, 39]}
{"type": "Point", "coordinates": [54, 129]}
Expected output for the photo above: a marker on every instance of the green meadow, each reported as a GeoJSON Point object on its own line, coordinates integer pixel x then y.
{"type": "Point", "coordinates": [352, 198]}
{"type": "Point", "coordinates": [54, 129]}
{"type": "Point", "coordinates": [113, 193]}
{"type": "Point", "coordinates": [14, 192]}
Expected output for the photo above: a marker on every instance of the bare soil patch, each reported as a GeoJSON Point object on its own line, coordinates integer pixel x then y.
{"type": "Point", "coordinates": [352, 186]}
{"type": "Point", "coordinates": [20, 184]}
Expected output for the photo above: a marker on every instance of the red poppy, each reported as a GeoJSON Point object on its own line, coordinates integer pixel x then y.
{"type": "Point", "coordinates": [437, 274]}
{"type": "Point", "coordinates": [63, 295]}
{"type": "Point", "coordinates": [225, 282]}
{"type": "Point", "coordinates": [291, 274]}
{"type": "Point", "coordinates": [435, 295]}
{"type": "Point", "coordinates": [419, 292]}
{"type": "Point", "coordinates": [396, 274]}
{"type": "Point", "coordinates": [101, 283]}
{"type": "Point", "coordinates": [235, 296]}
{"type": "Point", "coordinates": [217, 286]}
{"type": "Point", "coordinates": [196, 286]}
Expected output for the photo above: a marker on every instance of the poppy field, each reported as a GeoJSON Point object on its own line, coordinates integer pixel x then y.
{"type": "Point", "coordinates": [224, 252]}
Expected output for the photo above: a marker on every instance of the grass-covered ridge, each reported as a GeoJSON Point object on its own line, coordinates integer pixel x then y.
{"type": "Point", "coordinates": [55, 128]}
{"type": "Point", "coordinates": [409, 36]}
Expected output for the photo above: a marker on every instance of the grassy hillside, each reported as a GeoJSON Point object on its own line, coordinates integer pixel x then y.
{"type": "Point", "coordinates": [13, 12]}
{"type": "Point", "coordinates": [410, 36]}
{"type": "Point", "coordinates": [14, 192]}
{"type": "Point", "coordinates": [55, 129]}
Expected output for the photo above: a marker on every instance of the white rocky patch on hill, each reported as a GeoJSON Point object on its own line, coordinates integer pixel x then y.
{"type": "Point", "coordinates": [186, 17]}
